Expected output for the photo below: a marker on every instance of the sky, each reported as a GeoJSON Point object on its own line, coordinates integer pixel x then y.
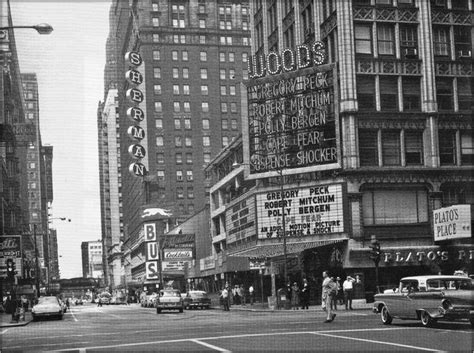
{"type": "Point", "coordinates": [69, 64]}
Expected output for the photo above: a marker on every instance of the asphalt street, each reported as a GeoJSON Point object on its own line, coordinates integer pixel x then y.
{"type": "Point", "coordinates": [90, 328]}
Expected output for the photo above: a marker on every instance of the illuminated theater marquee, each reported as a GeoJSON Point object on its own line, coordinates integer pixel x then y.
{"type": "Point", "coordinates": [292, 120]}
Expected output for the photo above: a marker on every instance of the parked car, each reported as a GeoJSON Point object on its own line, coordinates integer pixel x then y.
{"type": "Point", "coordinates": [197, 299]}
{"type": "Point", "coordinates": [428, 299]}
{"type": "Point", "coordinates": [79, 301]}
{"type": "Point", "coordinates": [169, 299]}
{"type": "Point", "coordinates": [49, 306]}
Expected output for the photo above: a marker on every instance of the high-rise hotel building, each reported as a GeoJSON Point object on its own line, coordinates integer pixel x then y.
{"type": "Point", "coordinates": [194, 58]}
{"type": "Point", "coordinates": [402, 104]}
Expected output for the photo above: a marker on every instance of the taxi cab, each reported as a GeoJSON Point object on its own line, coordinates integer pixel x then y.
{"type": "Point", "coordinates": [169, 299]}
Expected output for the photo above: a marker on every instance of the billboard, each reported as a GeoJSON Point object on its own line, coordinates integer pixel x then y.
{"type": "Point", "coordinates": [292, 122]}
{"type": "Point", "coordinates": [309, 211]}
{"type": "Point", "coordinates": [240, 220]}
{"type": "Point", "coordinates": [453, 222]}
{"type": "Point", "coordinates": [10, 248]}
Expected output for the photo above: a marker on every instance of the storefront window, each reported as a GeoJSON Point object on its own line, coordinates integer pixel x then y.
{"type": "Point", "coordinates": [397, 206]}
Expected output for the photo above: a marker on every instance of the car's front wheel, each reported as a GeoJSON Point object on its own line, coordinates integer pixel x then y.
{"type": "Point", "coordinates": [426, 319]}
{"type": "Point", "coordinates": [385, 316]}
{"type": "Point", "coordinates": [158, 310]}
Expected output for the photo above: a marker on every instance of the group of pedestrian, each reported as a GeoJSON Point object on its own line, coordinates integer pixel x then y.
{"type": "Point", "coordinates": [298, 296]}
{"type": "Point", "coordinates": [236, 296]}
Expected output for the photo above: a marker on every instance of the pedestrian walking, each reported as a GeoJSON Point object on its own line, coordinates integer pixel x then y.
{"type": "Point", "coordinates": [225, 298]}
{"type": "Point", "coordinates": [236, 295]}
{"type": "Point", "coordinates": [305, 295]}
{"type": "Point", "coordinates": [328, 293]}
{"type": "Point", "coordinates": [241, 292]}
{"type": "Point", "coordinates": [334, 297]}
{"type": "Point", "coordinates": [295, 292]}
{"type": "Point", "coordinates": [251, 294]}
{"type": "Point", "coordinates": [340, 292]}
{"type": "Point", "coordinates": [348, 287]}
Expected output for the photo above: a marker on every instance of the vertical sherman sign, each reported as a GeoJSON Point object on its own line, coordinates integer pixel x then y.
{"type": "Point", "coordinates": [292, 115]}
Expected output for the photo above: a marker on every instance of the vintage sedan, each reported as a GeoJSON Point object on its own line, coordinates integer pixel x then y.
{"type": "Point", "coordinates": [49, 306]}
{"type": "Point", "coordinates": [169, 299]}
{"type": "Point", "coordinates": [197, 299]}
{"type": "Point", "coordinates": [428, 299]}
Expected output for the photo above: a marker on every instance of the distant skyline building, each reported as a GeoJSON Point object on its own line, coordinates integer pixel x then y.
{"type": "Point", "coordinates": [92, 266]}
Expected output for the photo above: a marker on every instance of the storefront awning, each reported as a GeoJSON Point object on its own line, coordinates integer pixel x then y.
{"type": "Point", "coordinates": [273, 250]}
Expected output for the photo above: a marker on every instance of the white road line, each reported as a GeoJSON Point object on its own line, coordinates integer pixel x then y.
{"type": "Point", "coordinates": [379, 342]}
{"type": "Point", "coordinates": [73, 316]}
{"type": "Point", "coordinates": [1, 333]}
{"type": "Point", "coordinates": [211, 346]}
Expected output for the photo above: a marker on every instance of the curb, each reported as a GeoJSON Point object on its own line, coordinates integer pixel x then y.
{"type": "Point", "coordinates": [16, 324]}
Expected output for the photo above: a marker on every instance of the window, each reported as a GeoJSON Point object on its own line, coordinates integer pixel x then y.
{"type": "Point", "coordinates": [224, 107]}
{"type": "Point", "coordinates": [184, 55]}
{"type": "Point", "coordinates": [159, 123]}
{"type": "Point", "coordinates": [182, 39]}
{"type": "Point", "coordinates": [233, 107]}
{"type": "Point", "coordinates": [222, 40]}
{"type": "Point", "coordinates": [155, 21]}
{"type": "Point", "coordinates": [185, 72]}
{"type": "Point", "coordinates": [222, 73]}
{"type": "Point", "coordinates": [411, 93]}
{"type": "Point", "coordinates": [400, 206]}
{"type": "Point", "coordinates": [207, 157]}
{"type": "Point", "coordinates": [202, 23]}
{"type": "Point", "coordinates": [368, 147]}
{"type": "Point", "coordinates": [186, 107]}
{"type": "Point", "coordinates": [176, 107]}
{"type": "Point", "coordinates": [462, 41]}
{"type": "Point", "coordinates": [189, 158]}
{"type": "Point", "coordinates": [229, 40]}
{"type": "Point", "coordinates": [405, 2]}
{"type": "Point", "coordinates": [202, 9]}
{"type": "Point", "coordinates": [204, 90]}
{"type": "Point", "coordinates": [174, 55]}
{"type": "Point", "coordinates": [160, 158]}
{"type": "Point", "coordinates": [177, 124]}
{"type": "Point", "coordinates": [391, 147]}
{"type": "Point", "coordinates": [366, 92]}
{"type": "Point", "coordinates": [204, 74]}
{"type": "Point", "coordinates": [232, 74]}
{"type": "Point", "coordinates": [175, 72]}
{"type": "Point", "coordinates": [186, 90]}
{"type": "Point", "coordinates": [232, 90]}
{"type": "Point", "coordinates": [190, 207]}
{"type": "Point", "coordinates": [157, 72]}
{"type": "Point", "coordinates": [447, 147]}
{"type": "Point", "coordinates": [175, 89]}
{"type": "Point", "coordinates": [159, 141]}
{"type": "Point", "coordinates": [441, 40]}
{"type": "Point", "coordinates": [245, 41]}
{"type": "Point", "coordinates": [245, 57]}
{"type": "Point", "coordinates": [231, 57]}
{"type": "Point", "coordinates": [385, 42]}
{"type": "Point", "coordinates": [223, 90]}
{"type": "Point", "coordinates": [205, 107]}
{"type": "Point", "coordinates": [190, 192]}
{"type": "Point", "coordinates": [179, 175]}
{"type": "Point", "coordinates": [178, 141]}
{"type": "Point", "coordinates": [388, 93]}
{"type": "Point", "coordinates": [408, 41]}
{"type": "Point", "coordinates": [180, 192]}
{"type": "Point", "coordinates": [161, 175]}
{"type": "Point", "coordinates": [225, 141]}
{"type": "Point", "coordinates": [467, 148]}
{"type": "Point", "coordinates": [188, 142]}
{"type": "Point", "coordinates": [202, 39]}
{"type": "Point", "coordinates": [156, 38]}
{"type": "Point", "coordinates": [189, 175]}
{"type": "Point", "coordinates": [383, 2]}
{"type": "Point", "coordinates": [465, 93]}
{"type": "Point", "coordinates": [178, 16]}
{"type": "Point", "coordinates": [156, 55]}
{"type": "Point", "coordinates": [363, 39]}
{"type": "Point", "coordinates": [222, 57]}
{"type": "Point", "coordinates": [444, 93]}
{"type": "Point", "coordinates": [157, 89]}
{"type": "Point", "coordinates": [158, 107]}
{"type": "Point", "coordinates": [206, 141]}
{"type": "Point", "coordinates": [154, 6]}
{"type": "Point", "coordinates": [187, 124]}
{"type": "Point", "coordinates": [413, 147]}
{"type": "Point", "coordinates": [205, 124]}
{"type": "Point", "coordinates": [233, 124]}
{"type": "Point", "coordinates": [224, 124]}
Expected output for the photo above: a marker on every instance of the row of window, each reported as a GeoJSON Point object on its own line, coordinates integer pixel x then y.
{"type": "Point", "coordinates": [160, 157]}
{"type": "Point", "coordinates": [223, 57]}
{"type": "Point", "coordinates": [408, 40]}
{"type": "Point", "coordinates": [182, 39]}
{"type": "Point", "coordinates": [188, 141]}
{"type": "Point", "coordinates": [186, 107]}
{"type": "Point", "coordinates": [455, 4]}
{"type": "Point", "coordinates": [186, 124]}
{"type": "Point", "coordinates": [393, 147]}
{"type": "Point", "coordinates": [204, 90]}
{"type": "Point", "coordinates": [404, 93]}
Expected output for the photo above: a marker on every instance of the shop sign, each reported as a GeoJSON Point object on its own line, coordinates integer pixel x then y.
{"type": "Point", "coordinates": [152, 270]}
{"type": "Point", "coordinates": [133, 58]}
{"type": "Point", "coordinates": [135, 114]}
{"type": "Point", "coordinates": [207, 263]}
{"type": "Point", "coordinates": [240, 220]}
{"type": "Point", "coordinates": [136, 151]}
{"type": "Point", "coordinates": [149, 230]}
{"type": "Point", "coordinates": [136, 132]}
{"type": "Point", "coordinates": [176, 241]}
{"type": "Point", "coordinates": [171, 266]}
{"type": "Point", "coordinates": [24, 132]}
{"type": "Point", "coordinates": [10, 248]}
{"type": "Point", "coordinates": [256, 265]}
{"type": "Point", "coordinates": [453, 222]}
{"type": "Point", "coordinates": [407, 256]}
{"type": "Point", "coordinates": [178, 254]}
{"type": "Point", "coordinates": [308, 211]}
{"type": "Point", "coordinates": [152, 251]}
{"type": "Point", "coordinates": [137, 169]}
{"type": "Point", "coordinates": [135, 95]}
{"type": "Point", "coordinates": [134, 77]}
{"type": "Point", "coordinates": [292, 123]}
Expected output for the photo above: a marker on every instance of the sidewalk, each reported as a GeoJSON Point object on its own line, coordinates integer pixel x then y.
{"type": "Point", "coordinates": [6, 320]}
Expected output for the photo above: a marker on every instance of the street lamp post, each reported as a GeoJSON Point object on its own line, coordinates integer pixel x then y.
{"type": "Point", "coordinates": [42, 28]}
{"type": "Point", "coordinates": [283, 224]}
{"type": "Point", "coordinates": [37, 268]}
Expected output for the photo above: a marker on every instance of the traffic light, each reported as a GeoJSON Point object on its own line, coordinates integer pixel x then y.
{"type": "Point", "coordinates": [376, 252]}
{"type": "Point", "coordinates": [10, 269]}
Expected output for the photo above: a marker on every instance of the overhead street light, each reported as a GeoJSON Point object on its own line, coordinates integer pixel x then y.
{"type": "Point", "coordinates": [42, 28]}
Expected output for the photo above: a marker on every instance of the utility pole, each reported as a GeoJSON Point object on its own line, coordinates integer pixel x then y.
{"type": "Point", "coordinates": [37, 270]}
{"type": "Point", "coordinates": [283, 224]}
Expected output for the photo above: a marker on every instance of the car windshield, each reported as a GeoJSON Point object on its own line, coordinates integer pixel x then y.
{"type": "Point", "coordinates": [198, 294]}
{"type": "Point", "coordinates": [449, 284]}
{"type": "Point", "coordinates": [170, 294]}
{"type": "Point", "coordinates": [47, 300]}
